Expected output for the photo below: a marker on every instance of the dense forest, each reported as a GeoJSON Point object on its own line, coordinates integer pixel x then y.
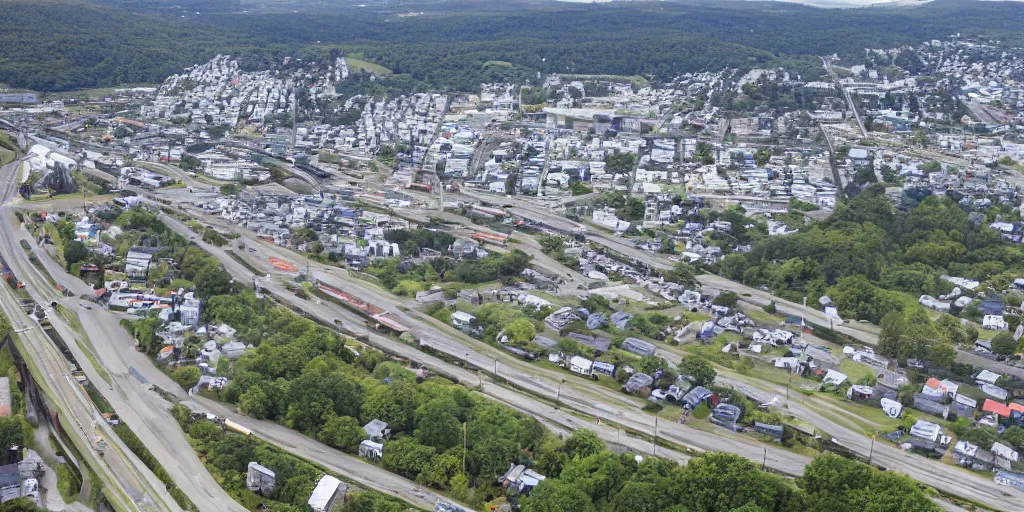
{"type": "Point", "coordinates": [60, 46]}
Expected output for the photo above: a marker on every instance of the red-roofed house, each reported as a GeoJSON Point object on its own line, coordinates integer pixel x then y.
{"type": "Point", "coordinates": [996, 408]}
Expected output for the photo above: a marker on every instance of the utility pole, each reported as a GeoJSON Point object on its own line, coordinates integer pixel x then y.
{"type": "Point", "coordinates": [558, 394]}
{"type": "Point", "coordinates": [495, 367]}
{"type": "Point", "coordinates": [654, 445]}
{"type": "Point", "coordinates": [871, 452]}
{"type": "Point", "coordinates": [765, 461]}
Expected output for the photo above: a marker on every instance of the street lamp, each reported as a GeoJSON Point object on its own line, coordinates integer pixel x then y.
{"type": "Point", "coordinates": [558, 394]}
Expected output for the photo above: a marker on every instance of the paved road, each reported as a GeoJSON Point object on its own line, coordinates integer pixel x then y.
{"type": "Point", "coordinates": [135, 487]}
{"type": "Point", "coordinates": [846, 94]}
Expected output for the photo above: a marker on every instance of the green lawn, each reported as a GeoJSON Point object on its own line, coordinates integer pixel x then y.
{"type": "Point", "coordinates": [857, 372]}
{"type": "Point", "coordinates": [354, 62]}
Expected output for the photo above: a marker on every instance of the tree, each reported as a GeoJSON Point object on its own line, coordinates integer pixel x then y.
{"type": "Point", "coordinates": [438, 424]}
{"type": "Point", "coordinates": [212, 280]}
{"type": "Point", "coordinates": [1014, 436]}
{"type": "Point", "coordinates": [698, 369]}
{"type": "Point", "coordinates": [394, 403]}
{"type": "Point", "coordinates": [262, 400]}
{"type": "Point", "coordinates": [1004, 344]}
{"type": "Point", "coordinates": [520, 331]}
{"type": "Point", "coordinates": [583, 443]}
{"type": "Point", "coordinates": [13, 431]}
{"type": "Point", "coordinates": [406, 457]}
{"type": "Point", "coordinates": [553, 495]}
{"type": "Point", "coordinates": [726, 298]}
{"type": "Point", "coordinates": [186, 376]}
{"type": "Point", "coordinates": [762, 156]}
{"type": "Point", "coordinates": [342, 432]}
{"type": "Point", "coordinates": [836, 484]}
{"type": "Point", "coordinates": [723, 481]}
{"type": "Point", "coordinates": [75, 252]}
{"type": "Point", "coordinates": [228, 189]}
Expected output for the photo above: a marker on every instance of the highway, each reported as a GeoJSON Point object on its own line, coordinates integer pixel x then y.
{"type": "Point", "coordinates": [582, 396]}
{"type": "Point", "coordinates": [607, 405]}
{"type": "Point", "coordinates": [132, 485]}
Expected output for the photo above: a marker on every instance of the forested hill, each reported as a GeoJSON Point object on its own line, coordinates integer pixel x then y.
{"type": "Point", "coordinates": [51, 46]}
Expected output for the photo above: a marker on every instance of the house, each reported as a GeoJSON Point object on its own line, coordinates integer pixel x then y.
{"type": "Point", "coordinates": [259, 478]}
{"type": "Point", "coordinates": [620, 320]}
{"type": "Point", "coordinates": [581, 365]}
{"type": "Point", "coordinates": [987, 377]}
{"type": "Point", "coordinates": [429, 296]}
{"type": "Point", "coordinates": [926, 430]}
{"type": "Point", "coordinates": [928, 405]}
{"type": "Point", "coordinates": [939, 389]}
{"type": "Point", "coordinates": [696, 396]}
{"type": "Point", "coordinates": [727, 413]}
{"type": "Point", "coordinates": [636, 382]}
{"type": "Point", "coordinates": [994, 323]}
{"type": "Point", "coordinates": [605, 368]}
{"type": "Point", "coordinates": [1015, 480]}
{"type": "Point", "coordinates": [997, 408]}
{"type": "Point", "coordinates": [189, 310]}
{"type": "Point", "coordinates": [462, 320]}
{"type": "Point", "coordinates": [520, 480]}
{"type": "Point", "coordinates": [600, 345]}
{"type": "Point", "coordinates": [329, 491]}
{"type": "Point", "coordinates": [470, 296]}
{"type": "Point", "coordinates": [371, 450]}
{"type": "Point", "coordinates": [638, 347]}
{"type": "Point", "coordinates": [377, 430]}
{"type": "Point", "coordinates": [892, 408]}
{"type": "Point", "coordinates": [137, 263]}
{"type": "Point", "coordinates": [995, 392]}
{"type": "Point", "coordinates": [965, 405]}
{"type": "Point", "coordinates": [1004, 452]}
{"type": "Point", "coordinates": [834, 378]}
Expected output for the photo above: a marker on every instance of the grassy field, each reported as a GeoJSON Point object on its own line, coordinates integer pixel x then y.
{"type": "Point", "coordinates": [354, 62]}
{"type": "Point", "coordinates": [857, 372]}
{"type": "Point", "coordinates": [6, 156]}
{"type": "Point", "coordinates": [639, 80]}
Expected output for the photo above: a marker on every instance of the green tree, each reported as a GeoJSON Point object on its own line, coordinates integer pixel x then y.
{"type": "Point", "coordinates": [553, 495]}
{"type": "Point", "coordinates": [406, 457]}
{"type": "Point", "coordinates": [726, 298]}
{"type": "Point", "coordinates": [212, 280]}
{"type": "Point", "coordinates": [698, 369]}
{"type": "Point", "coordinates": [1004, 344]}
{"type": "Point", "coordinates": [342, 432]}
{"type": "Point", "coordinates": [520, 331]}
{"type": "Point", "coordinates": [14, 431]}
{"type": "Point", "coordinates": [583, 443]}
{"type": "Point", "coordinates": [836, 484]}
{"type": "Point", "coordinates": [437, 423]}
{"type": "Point", "coordinates": [75, 252]}
{"type": "Point", "coordinates": [186, 376]}
{"type": "Point", "coordinates": [394, 403]}
{"type": "Point", "coordinates": [1014, 436]}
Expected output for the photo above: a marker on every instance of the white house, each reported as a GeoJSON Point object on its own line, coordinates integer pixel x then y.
{"type": "Point", "coordinates": [994, 323]}
{"type": "Point", "coordinates": [462, 319]}
{"type": "Point", "coordinates": [581, 365]}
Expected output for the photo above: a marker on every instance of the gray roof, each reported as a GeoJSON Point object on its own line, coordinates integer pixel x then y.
{"type": "Point", "coordinates": [638, 347]}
